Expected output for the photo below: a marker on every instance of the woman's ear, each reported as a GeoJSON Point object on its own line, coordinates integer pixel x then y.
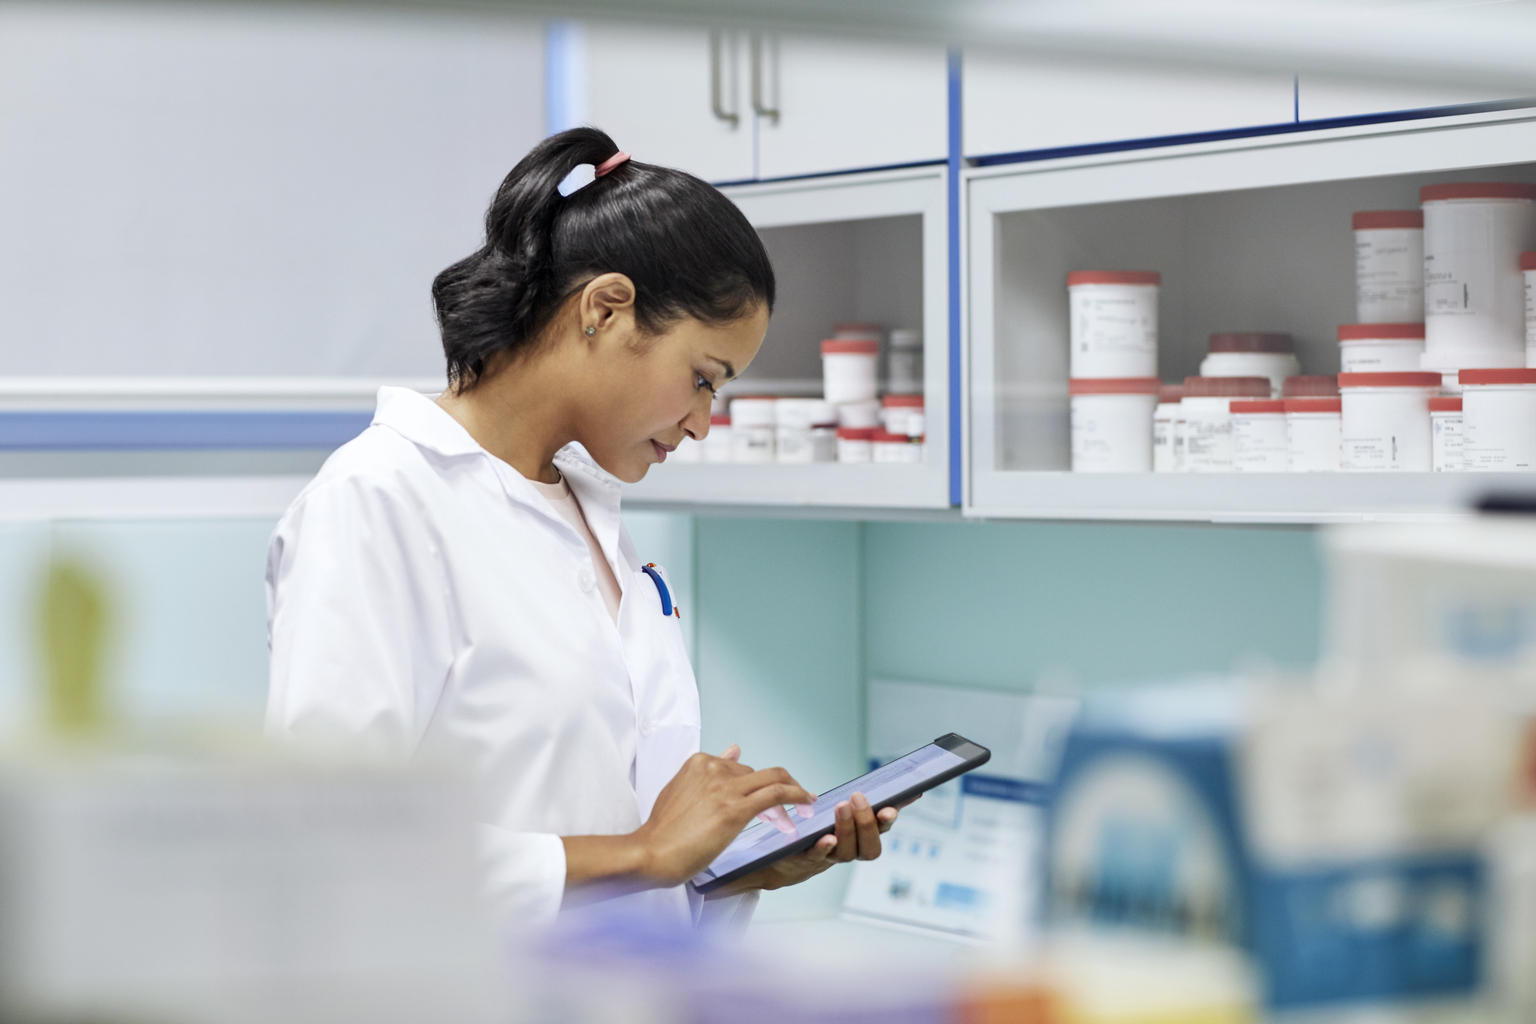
{"type": "Point", "coordinates": [606, 306]}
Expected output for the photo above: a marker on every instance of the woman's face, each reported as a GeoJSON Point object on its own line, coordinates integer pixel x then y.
{"type": "Point", "coordinates": [657, 389]}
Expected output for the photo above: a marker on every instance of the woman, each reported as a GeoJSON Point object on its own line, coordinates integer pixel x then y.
{"type": "Point", "coordinates": [456, 580]}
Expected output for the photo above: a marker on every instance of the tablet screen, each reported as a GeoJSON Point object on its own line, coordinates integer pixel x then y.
{"type": "Point", "coordinates": [885, 782]}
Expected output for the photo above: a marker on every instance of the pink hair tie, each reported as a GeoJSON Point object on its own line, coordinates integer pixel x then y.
{"type": "Point", "coordinates": [609, 164]}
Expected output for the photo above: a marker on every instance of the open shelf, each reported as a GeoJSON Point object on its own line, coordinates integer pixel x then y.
{"type": "Point", "coordinates": [1249, 236]}
{"type": "Point", "coordinates": [865, 247]}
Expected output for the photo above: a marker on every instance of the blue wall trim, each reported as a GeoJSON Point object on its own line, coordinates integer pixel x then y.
{"type": "Point", "coordinates": [1257, 131]}
{"type": "Point", "coordinates": [830, 174]}
{"type": "Point", "coordinates": [165, 430]}
{"type": "Point", "coordinates": [956, 143]}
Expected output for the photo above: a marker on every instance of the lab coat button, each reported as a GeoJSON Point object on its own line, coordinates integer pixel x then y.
{"type": "Point", "coordinates": [585, 579]}
{"type": "Point", "coordinates": [646, 728]}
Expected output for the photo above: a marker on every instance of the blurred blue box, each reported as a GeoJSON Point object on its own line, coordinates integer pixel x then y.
{"type": "Point", "coordinates": [1152, 829]}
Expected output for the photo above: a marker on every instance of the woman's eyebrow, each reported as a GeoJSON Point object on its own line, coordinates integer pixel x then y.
{"type": "Point", "coordinates": [730, 371]}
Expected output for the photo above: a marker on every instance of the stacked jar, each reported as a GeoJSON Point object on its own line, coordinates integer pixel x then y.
{"type": "Point", "coordinates": [1381, 348]}
{"type": "Point", "coordinates": [1389, 267]}
{"type": "Point", "coordinates": [1385, 425]}
{"type": "Point", "coordinates": [1446, 449]}
{"type": "Point", "coordinates": [1312, 424]}
{"type": "Point", "coordinates": [1528, 271]}
{"type": "Point", "coordinates": [1474, 301]}
{"type": "Point", "coordinates": [902, 416]}
{"type": "Point", "coordinates": [1112, 383]}
{"type": "Point", "coordinates": [1166, 456]}
{"type": "Point", "coordinates": [1499, 420]}
{"type": "Point", "coordinates": [904, 362]}
{"type": "Point", "coordinates": [1252, 354]}
{"type": "Point", "coordinates": [806, 430]}
{"type": "Point", "coordinates": [754, 428]}
{"type": "Point", "coordinates": [1206, 419]}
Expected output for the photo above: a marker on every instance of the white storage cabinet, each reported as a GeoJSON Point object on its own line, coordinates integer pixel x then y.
{"type": "Point", "coordinates": [1248, 235]}
{"type": "Point", "coordinates": [857, 247]}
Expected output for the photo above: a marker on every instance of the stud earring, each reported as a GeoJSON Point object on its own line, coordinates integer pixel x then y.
{"type": "Point", "coordinates": [591, 331]}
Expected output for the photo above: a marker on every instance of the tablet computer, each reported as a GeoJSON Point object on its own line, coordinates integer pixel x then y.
{"type": "Point", "coordinates": [761, 843]}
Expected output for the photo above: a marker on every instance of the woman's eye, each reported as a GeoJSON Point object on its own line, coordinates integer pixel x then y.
{"type": "Point", "coordinates": [703, 382]}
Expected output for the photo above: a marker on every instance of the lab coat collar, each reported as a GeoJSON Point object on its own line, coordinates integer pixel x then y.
{"type": "Point", "coordinates": [422, 421]}
{"type": "Point", "coordinates": [598, 492]}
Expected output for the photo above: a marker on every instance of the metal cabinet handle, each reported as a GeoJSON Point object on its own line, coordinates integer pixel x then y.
{"type": "Point", "coordinates": [759, 106]}
{"type": "Point", "coordinates": [717, 80]}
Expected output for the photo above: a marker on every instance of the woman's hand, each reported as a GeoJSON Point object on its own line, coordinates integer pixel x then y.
{"type": "Point", "coordinates": [707, 803]}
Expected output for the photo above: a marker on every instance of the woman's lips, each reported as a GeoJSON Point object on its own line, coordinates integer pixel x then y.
{"type": "Point", "coordinates": [662, 449]}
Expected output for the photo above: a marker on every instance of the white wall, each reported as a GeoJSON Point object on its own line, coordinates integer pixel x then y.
{"type": "Point", "coordinates": [211, 188]}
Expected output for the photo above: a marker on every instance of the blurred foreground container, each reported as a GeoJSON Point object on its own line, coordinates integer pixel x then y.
{"type": "Point", "coordinates": [186, 887]}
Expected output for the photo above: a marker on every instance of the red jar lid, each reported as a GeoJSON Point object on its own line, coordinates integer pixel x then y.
{"type": "Point", "coordinates": [1314, 405]}
{"type": "Point", "coordinates": [1170, 394]}
{"type": "Point", "coordinates": [1114, 386]}
{"type": "Point", "coordinates": [855, 433]}
{"type": "Point", "coordinates": [1310, 386]}
{"type": "Point", "coordinates": [1445, 403]}
{"type": "Point", "coordinates": [720, 419]}
{"type": "Point", "coordinates": [850, 346]}
{"type": "Point", "coordinates": [1477, 190]}
{"type": "Point", "coordinates": [1528, 261]}
{"type": "Point", "coordinates": [1252, 341]}
{"type": "Point", "coordinates": [1368, 220]}
{"type": "Point", "coordinates": [1077, 277]}
{"type": "Point", "coordinates": [1354, 332]}
{"type": "Point", "coordinates": [1501, 376]}
{"type": "Point", "coordinates": [902, 401]}
{"type": "Point", "coordinates": [886, 437]}
{"type": "Point", "coordinates": [1401, 379]}
{"type": "Point", "coordinates": [1257, 408]}
{"type": "Point", "coordinates": [1226, 387]}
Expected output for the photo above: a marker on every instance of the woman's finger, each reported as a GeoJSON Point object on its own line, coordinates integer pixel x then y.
{"type": "Point", "coordinates": [843, 829]}
{"type": "Point", "coordinates": [731, 753]}
{"type": "Point", "coordinates": [777, 817]}
{"type": "Point", "coordinates": [773, 795]}
{"type": "Point", "coordinates": [769, 778]}
{"type": "Point", "coordinates": [868, 828]}
{"type": "Point", "coordinates": [886, 818]}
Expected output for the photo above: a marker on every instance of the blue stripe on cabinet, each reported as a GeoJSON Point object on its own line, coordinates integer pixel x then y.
{"type": "Point", "coordinates": [168, 430]}
{"type": "Point", "coordinates": [956, 385]}
{"type": "Point", "coordinates": [1257, 131]}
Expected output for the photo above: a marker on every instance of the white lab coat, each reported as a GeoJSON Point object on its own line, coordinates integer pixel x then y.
{"type": "Point", "coordinates": [424, 597]}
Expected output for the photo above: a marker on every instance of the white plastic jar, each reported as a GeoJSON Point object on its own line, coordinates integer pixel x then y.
{"type": "Point", "coordinates": [848, 369]}
{"type": "Point", "coordinates": [1389, 266]}
{"type": "Point", "coordinates": [717, 443]}
{"type": "Point", "coordinates": [1528, 271]}
{"type": "Point", "coordinates": [1252, 354]}
{"type": "Point", "coordinates": [1207, 419]}
{"type": "Point", "coordinates": [1499, 420]}
{"type": "Point", "coordinates": [887, 447]}
{"type": "Point", "coordinates": [754, 426]}
{"type": "Point", "coordinates": [1381, 348]}
{"type": "Point", "coordinates": [1258, 436]}
{"type": "Point", "coordinates": [1385, 428]}
{"type": "Point", "coordinates": [854, 443]}
{"type": "Point", "coordinates": [903, 414]}
{"type": "Point", "coordinates": [1474, 302]}
{"type": "Point", "coordinates": [1113, 322]}
{"type": "Point", "coordinates": [1312, 429]}
{"type": "Point", "coordinates": [1164, 422]}
{"type": "Point", "coordinates": [1112, 423]}
{"type": "Point", "coordinates": [806, 430]}
{"type": "Point", "coordinates": [1445, 434]}
{"type": "Point", "coordinates": [859, 414]}
{"type": "Point", "coordinates": [904, 362]}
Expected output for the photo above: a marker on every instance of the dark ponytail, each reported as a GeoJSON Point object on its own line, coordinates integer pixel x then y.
{"type": "Point", "coordinates": [687, 248]}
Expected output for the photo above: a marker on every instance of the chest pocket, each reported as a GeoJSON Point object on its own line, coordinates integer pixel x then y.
{"type": "Point", "coordinates": [666, 695]}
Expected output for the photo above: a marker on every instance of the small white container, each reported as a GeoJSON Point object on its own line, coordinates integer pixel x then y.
{"type": "Point", "coordinates": [904, 362]}
{"type": "Point", "coordinates": [1112, 423]}
{"type": "Point", "coordinates": [1164, 424]}
{"type": "Point", "coordinates": [1386, 422]}
{"type": "Point", "coordinates": [1445, 434]}
{"type": "Point", "coordinates": [1381, 348]}
{"type": "Point", "coordinates": [1207, 419]}
{"type": "Point", "coordinates": [854, 444]}
{"type": "Point", "coordinates": [1528, 271]}
{"type": "Point", "coordinates": [1312, 435]}
{"type": "Point", "coordinates": [1258, 437]}
{"type": "Point", "coordinates": [1389, 266]}
{"type": "Point", "coordinates": [1113, 318]}
{"type": "Point", "coordinates": [717, 443]}
{"type": "Point", "coordinates": [859, 414]}
{"type": "Point", "coordinates": [1252, 354]}
{"type": "Point", "coordinates": [1474, 234]}
{"type": "Point", "coordinates": [903, 414]}
{"type": "Point", "coordinates": [754, 425]}
{"type": "Point", "coordinates": [848, 368]}
{"type": "Point", "coordinates": [1499, 420]}
{"type": "Point", "coordinates": [806, 430]}
{"type": "Point", "coordinates": [890, 448]}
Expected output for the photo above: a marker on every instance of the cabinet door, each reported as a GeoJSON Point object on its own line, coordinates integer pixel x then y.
{"type": "Point", "coordinates": [1319, 97]}
{"type": "Point", "coordinates": [844, 105]}
{"type": "Point", "coordinates": [1015, 103]}
{"type": "Point", "coordinates": [650, 88]}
